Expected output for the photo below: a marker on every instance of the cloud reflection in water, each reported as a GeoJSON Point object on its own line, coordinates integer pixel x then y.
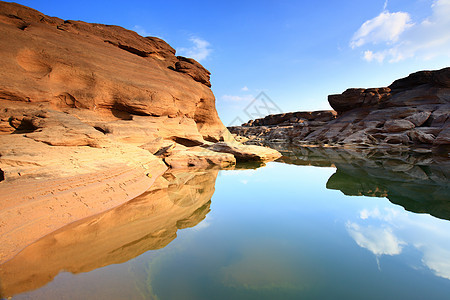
{"type": "Point", "coordinates": [387, 231]}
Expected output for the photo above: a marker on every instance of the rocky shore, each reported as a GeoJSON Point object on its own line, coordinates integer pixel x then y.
{"type": "Point", "coordinates": [90, 116]}
{"type": "Point", "coordinates": [411, 114]}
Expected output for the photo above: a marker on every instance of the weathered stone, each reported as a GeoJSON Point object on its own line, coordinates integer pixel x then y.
{"type": "Point", "coordinates": [398, 125]}
{"type": "Point", "coordinates": [421, 137]}
{"type": "Point", "coordinates": [192, 68]}
{"type": "Point", "coordinates": [246, 152]}
{"type": "Point", "coordinates": [198, 157]}
{"type": "Point", "coordinates": [397, 139]}
{"type": "Point", "coordinates": [102, 68]}
{"type": "Point", "coordinates": [444, 137]}
{"type": "Point", "coordinates": [355, 98]}
{"type": "Point", "coordinates": [418, 119]}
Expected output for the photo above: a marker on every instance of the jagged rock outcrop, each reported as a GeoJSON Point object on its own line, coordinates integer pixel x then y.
{"type": "Point", "coordinates": [86, 113]}
{"type": "Point", "coordinates": [412, 112]}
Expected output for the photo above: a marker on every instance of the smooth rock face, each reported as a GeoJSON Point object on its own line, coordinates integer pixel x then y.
{"type": "Point", "coordinates": [413, 112]}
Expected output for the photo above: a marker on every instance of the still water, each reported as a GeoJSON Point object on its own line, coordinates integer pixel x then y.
{"type": "Point", "coordinates": [283, 231]}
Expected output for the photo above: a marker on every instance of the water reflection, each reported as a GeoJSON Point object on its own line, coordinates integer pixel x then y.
{"type": "Point", "coordinates": [388, 231]}
{"type": "Point", "coordinates": [418, 182]}
{"type": "Point", "coordinates": [274, 232]}
{"type": "Point", "coordinates": [379, 241]}
{"type": "Point", "coordinates": [179, 199]}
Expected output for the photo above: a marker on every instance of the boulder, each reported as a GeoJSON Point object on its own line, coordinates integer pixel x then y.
{"type": "Point", "coordinates": [398, 125]}
{"type": "Point", "coordinates": [418, 119]}
{"type": "Point", "coordinates": [246, 152]}
{"type": "Point", "coordinates": [198, 157]}
{"type": "Point", "coordinates": [421, 137]}
{"type": "Point", "coordinates": [397, 139]}
{"type": "Point", "coordinates": [355, 98]}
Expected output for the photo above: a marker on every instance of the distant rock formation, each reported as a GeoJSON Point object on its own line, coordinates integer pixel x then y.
{"type": "Point", "coordinates": [413, 112]}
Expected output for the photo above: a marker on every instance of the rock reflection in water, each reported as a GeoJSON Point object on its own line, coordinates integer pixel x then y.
{"type": "Point", "coordinates": [418, 182]}
{"type": "Point", "coordinates": [179, 199]}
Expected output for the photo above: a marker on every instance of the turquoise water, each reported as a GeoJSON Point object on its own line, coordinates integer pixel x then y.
{"type": "Point", "coordinates": [277, 232]}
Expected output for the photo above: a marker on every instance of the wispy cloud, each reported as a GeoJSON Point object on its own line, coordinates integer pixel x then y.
{"type": "Point", "coordinates": [199, 51]}
{"type": "Point", "coordinates": [141, 30]}
{"type": "Point", "coordinates": [379, 241]}
{"type": "Point", "coordinates": [395, 37]}
{"type": "Point", "coordinates": [386, 27]}
{"type": "Point", "coordinates": [388, 231]}
{"type": "Point", "coordinates": [236, 98]}
{"type": "Point", "coordinates": [245, 89]}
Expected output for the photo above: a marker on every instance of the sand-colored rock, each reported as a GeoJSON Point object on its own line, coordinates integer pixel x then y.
{"type": "Point", "coordinates": [199, 157]}
{"type": "Point", "coordinates": [246, 152]}
{"type": "Point", "coordinates": [73, 64]}
{"type": "Point", "coordinates": [47, 187]}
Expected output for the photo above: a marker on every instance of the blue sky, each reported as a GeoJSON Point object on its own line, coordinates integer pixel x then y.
{"type": "Point", "coordinates": [296, 52]}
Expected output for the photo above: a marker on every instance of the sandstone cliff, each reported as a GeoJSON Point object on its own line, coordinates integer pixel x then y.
{"type": "Point", "coordinates": [90, 116]}
{"type": "Point", "coordinates": [412, 113]}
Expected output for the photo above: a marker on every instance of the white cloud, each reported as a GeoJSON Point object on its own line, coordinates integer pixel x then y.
{"type": "Point", "coordinates": [245, 89]}
{"type": "Point", "coordinates": [369, 56]}
{"type": "Point", "coordinates": [379, 241]}
{"type": "Point", "coordinates": [386, 27]}
{"type": "Point", "coordinates": [438, 260]}
{"type": "Point", "coordinates": [386, 231]}
{"type": "Point", "coordinates": [394, 37]}
{"type": "Point", "coordinates": [388, 214]}
{"type": "Point", "coordinates": [200, 50]}
{"type": "Point", "coordinates": [236, 98]}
